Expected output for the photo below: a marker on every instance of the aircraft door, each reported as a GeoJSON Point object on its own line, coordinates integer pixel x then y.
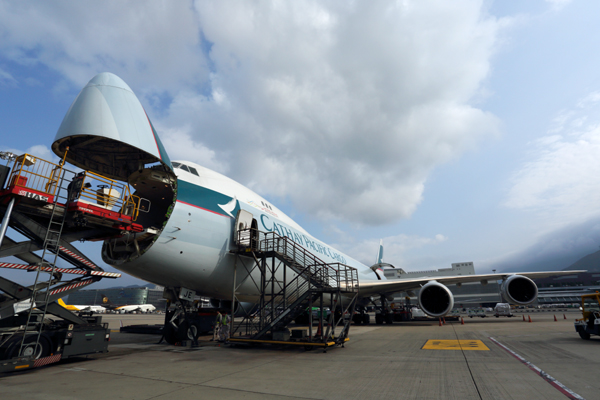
{"type": "Point", "coordinates": [242, 233]}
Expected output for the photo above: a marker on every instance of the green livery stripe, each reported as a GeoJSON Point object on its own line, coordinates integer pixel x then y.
{"type": "Point", "coordinates": [201, 197]}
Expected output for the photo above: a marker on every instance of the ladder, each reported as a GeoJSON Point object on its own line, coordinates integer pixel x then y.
{"type": "Point", "coordinates": [51, 248]}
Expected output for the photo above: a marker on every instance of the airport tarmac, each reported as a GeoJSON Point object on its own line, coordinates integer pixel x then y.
{"type": "Point", "coordinates": [379, 362]}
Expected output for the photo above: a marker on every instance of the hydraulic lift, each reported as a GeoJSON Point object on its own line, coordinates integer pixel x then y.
{"type": "Point", "coordinates": [53, 207]}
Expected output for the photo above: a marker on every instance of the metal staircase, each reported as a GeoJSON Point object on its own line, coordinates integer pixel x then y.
{"type": "Point", "coordinates": [291, 280]}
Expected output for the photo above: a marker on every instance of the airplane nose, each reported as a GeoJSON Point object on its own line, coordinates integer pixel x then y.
{"type": "Point", "coordinates": [108, 132]}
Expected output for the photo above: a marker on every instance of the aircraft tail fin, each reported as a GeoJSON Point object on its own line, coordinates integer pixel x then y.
{"type": "Point", "coordinates": [62, 303]}
{"type": "Point", "coordinates": [380, 253]}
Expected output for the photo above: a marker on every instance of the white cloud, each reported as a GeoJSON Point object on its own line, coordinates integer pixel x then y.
{"type": "Point", "coordinates": [394, 248]}
{"type": "Point", "coordinates": [346, 108]}
{"type": "Point", "coordinates": [561, 181]}
{"type": "Point", "coordinates": [153, 44]}
{"type": "Point", "coordinates": [6, 78]}
{"type": "Point", "coordinates": [180, 146]}
{"type": "Point", "coordinates": [340, 107]}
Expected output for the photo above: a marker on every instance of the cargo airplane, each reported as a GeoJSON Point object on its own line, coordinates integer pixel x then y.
{"type": "Point", "coordinates": [86, 309]}
{"type": "Point", "coordinates": [190, 224]}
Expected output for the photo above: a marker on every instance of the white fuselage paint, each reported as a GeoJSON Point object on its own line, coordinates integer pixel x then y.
{"type": "Point", "coordinates": [193, 250]}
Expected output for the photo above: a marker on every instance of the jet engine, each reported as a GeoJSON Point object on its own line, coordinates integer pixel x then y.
{"type": "Point", "coordinates": [519, 290]}
{"type": "Point", "coordinates": [435, 299]}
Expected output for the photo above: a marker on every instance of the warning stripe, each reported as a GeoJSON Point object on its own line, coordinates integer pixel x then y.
{"type": "Point", "coordinates": [40, 362]}
{"type": "Point", "coordinates": [78, 258]}
{"type": "Point", "coordinates": [73, 286]}
{"type": "Point", "coordinates": [556, 384]}
{"type": "Point", "coordinates": [28, 267]}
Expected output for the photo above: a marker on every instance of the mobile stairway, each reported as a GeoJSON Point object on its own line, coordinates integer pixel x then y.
{"type": "Point", "coordinates": [293, 284]}
{"type": "Point", "coordinates": [52, 207]}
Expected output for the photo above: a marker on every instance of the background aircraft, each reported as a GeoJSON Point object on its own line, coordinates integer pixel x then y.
{"type": "Point", "coordinates": [93, 309]}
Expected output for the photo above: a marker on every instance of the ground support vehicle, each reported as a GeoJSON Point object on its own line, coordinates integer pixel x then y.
{"type": "Point", "coordinates": [45, 203]}
{"type": "Point", "coordinates": [590, 309]}
{"type": "Point", "coordinates": [502, 310]}
{"type": "Point", "coordinates": [477, 312]}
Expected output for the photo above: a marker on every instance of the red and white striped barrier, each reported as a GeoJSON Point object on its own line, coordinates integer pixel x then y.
{"type": "Point", "coordinates": [61, 270]}
{"type": "Point", "coordinates": [40, 362]}
{"type": "Point", "coordinates": [78, 258]}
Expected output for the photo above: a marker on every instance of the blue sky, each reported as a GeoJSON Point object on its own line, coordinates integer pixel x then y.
{"type": "Point", "coordinates": [454, 131]}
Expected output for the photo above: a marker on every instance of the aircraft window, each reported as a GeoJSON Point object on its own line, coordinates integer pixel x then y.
{"type": "Point", "coordinates": [193, 171]}
{"type": "Point", "coordinates": [184, 167]}
{"type": "Point", "coordinates": [176, 164]}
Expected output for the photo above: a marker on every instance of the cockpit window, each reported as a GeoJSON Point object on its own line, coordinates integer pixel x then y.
{"type": "Point", "coordinates": [187, 168]}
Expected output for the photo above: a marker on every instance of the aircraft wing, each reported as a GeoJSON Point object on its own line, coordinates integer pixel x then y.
{"type": "Point", "coordinates": [370, 288]}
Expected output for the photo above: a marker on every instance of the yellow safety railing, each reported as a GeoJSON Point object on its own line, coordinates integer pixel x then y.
{"type": "Point", "coordinates": [44, 176]}
{"type": "Point", "coordinates": [35, 173]}
{"type": "Point", "coordinates": [109, 194]}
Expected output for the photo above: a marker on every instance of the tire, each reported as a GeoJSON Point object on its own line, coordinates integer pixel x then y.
{"type": "Point", "coordinates": [379, 319]}
{"type": "Point", "coordinates": [30, 348]}
{"type": "Point", "coordinates": [584, 335]}
{"type": "Point", "coordinates": [170, 333]}
{"type": "Point", "coordinates": [192, 332]}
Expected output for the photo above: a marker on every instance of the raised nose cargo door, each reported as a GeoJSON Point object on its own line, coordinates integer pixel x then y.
{"type": "Point", "coordinates": [107, 131]}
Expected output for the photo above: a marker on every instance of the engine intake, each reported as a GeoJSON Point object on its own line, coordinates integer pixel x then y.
{"type": "Point", "coordinates": [435, 299]}
{"type": "Point", "coordinates": [519, 290]}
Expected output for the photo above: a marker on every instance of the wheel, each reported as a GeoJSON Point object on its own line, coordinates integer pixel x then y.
{"type": "Point", "coordinates": [378, 319]}
{"type": "Point", "coordinates": [357, 319]}
{"type": "Point", "coordinates": [366, 319]}
{"type": "Point", "coordinates": [389, 319]}
{"type": "Point", "coordinates": [192, 332]}
{"type": "Point", "coordinates": [170, 333]}
{"type": "Point", "coordinates": [584, 335]}
{"type": "Point", "coordinates": [30, 347]}
{"type": "Point", "coordinates": [183, 331]}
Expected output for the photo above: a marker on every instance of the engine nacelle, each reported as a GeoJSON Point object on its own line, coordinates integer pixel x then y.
{"type": "Point", "coordinates": [519, 290]}
{"type": "Point", "coordinates": [435, 299]}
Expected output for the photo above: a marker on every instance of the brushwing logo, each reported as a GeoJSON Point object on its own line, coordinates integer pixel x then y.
{"type": "Point", "coordinates": [231, 207]}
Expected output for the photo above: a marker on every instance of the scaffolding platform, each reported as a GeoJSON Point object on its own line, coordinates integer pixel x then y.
{"type": "Point", "coordinates": [294, 284]}
{"type": "Point", "coordinates": [53, 207]}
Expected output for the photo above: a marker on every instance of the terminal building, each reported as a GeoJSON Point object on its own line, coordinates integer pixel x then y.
{"type": "Point", "coordinates": [567, 288]}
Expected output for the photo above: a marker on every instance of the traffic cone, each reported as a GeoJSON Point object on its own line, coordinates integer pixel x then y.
{"type": "Point", "coordinates": [529, 318]}
{"type": "Point", "coordinates": [444, 320]}
{"type": "Point", "coordinates": [564, 316]}
{"type": "Point", "coordinates": [319, 330]}
{"type": "Point", "coordinates": [523, 318]}
{"type": "Point", "coordinates": [462, 321]}
{"type": "Point", "coordinates": [440, 321]}
{"type": "Point", "coordinates": [555, 317]}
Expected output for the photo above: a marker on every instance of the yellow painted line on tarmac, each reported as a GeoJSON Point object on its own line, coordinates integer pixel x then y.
{"type": "Point", "coordinates": [433, 344]}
